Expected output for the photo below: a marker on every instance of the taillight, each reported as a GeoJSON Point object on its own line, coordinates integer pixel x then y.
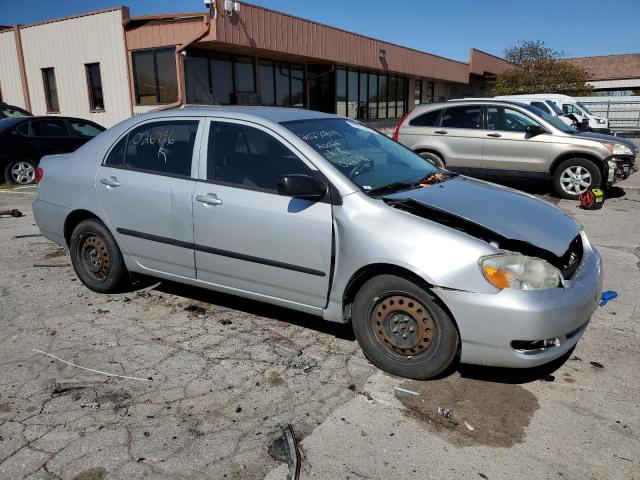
{"type": "Point", "coordinates": [396, 132]}
{"type": "Point", "coordinates": [39, 174]}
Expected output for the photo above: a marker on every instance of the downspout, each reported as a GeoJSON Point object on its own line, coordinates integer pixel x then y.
{"type": "Point", "coordinates": [21, 67]}
{"type": "Point", "coordinates": [180, 65]}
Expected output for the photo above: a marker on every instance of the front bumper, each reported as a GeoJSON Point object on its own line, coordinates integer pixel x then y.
{"type": "Point", "coordinates": [489, 323]}
{"type": "Point", "coordinates": [625, 166]}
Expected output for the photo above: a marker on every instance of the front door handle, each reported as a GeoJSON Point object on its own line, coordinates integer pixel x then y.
{"type": "Point", "coordinates": [209, 199]}
{"type": "Point", "coordinates": [110, 182]}
{"type": "Point", "coordinates": [494, 135]}
{"type": "Point", "coordinates": [441, 132]}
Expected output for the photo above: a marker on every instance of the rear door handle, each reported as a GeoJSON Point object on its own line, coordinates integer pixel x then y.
{"type": "Point", "coordinates": [209, 199]}
{"type": "Point", "coordinates": [441, 132]}
{"type": "Point", "coordinates": [494, 135]}
{"type": "Point", "coordinates": [110, 182]}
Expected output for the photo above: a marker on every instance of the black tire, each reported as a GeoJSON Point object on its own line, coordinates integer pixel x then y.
{"type": "Point", "coordinates": [581, 164]}
{"type": "Point", "coordinates": [96, 257]}
{"type": "Point", "coordinates": [433, 159]}
{"type": "Point", "coordinates": [420, 361]}
{"type": "Point", "coordinates": [9, 178]}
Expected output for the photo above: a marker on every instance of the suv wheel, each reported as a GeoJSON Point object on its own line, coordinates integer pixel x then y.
{"type": "Point", "coordinates": [402, 330]}
{"type": "Point", "coordinates": [96, 257]}
{"type": "Point", "coordinates": [575, 176]}
{"type": "Point", "coordinates": [433, 159]}
{"type": "Point", "coordinates": [20, 172]}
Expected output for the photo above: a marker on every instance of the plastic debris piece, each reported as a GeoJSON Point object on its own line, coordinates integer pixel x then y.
{"type": "Point", "coordinates": [304, 363]}
{"type": "Point", "coordinates": [597, 364]}
{"type": "Point", "coordinates": [468, 425]}
{"type": "Point", "coordinates": [607, 296]}
{"type": "Point", "coordinates": [285, 449]}
{"type": "Point", "coordinates": [406, 390]}
{"type": "Point", "coordinates": [12, 212]}
{"type": "Point", "coordinates": [445, 412]}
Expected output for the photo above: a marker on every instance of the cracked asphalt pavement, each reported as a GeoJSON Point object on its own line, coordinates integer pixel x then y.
{"type": "Point", "coordinates": [213, 378]}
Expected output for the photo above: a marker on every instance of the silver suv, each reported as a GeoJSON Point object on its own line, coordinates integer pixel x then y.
{"type": "Point", "coordinates": [500, 140]}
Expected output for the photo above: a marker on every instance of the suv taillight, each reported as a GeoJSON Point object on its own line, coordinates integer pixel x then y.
{"type": "Point", "coordinates": [396, 132]}
{"type": "Point", "coordinates": [39, 174]}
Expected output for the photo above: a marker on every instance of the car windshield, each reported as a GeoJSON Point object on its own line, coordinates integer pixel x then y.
{"type": "Point", "coordinates": [584, 109]}
{"type": "Point", "coordinates": [368, 158]}
{"type": "Point", "coordinates": [9, 112]}
{"type": "Point", "coordinates": [554, 106]}
{"type": "Point", "coordinates": [555, 121]}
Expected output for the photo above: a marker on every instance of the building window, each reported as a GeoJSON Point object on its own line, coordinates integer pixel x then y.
{"type": "Point", "coordinates": [155, 77]}
{"type": "Point", "coordinates": [282, 84]}
{"type": "Point", "coordinates": [341, 92]}
{"type": "Point", "coordinates": [94, 84]}
{"type": "Point", "coordinates": [267, 83]}
{"type": "Point", "coordinates": [50, 90]}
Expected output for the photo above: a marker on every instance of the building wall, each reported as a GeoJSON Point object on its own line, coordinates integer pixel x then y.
{"type": "Point", "coordinates": [10, 82]}
{"type": "Point", "coordinates": [67, 46]}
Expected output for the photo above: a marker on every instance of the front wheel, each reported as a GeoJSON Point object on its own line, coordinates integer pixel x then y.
{"type": "Point", "coordinates": [576, 176]}
{"type": "Point", "coordinates": [96, 257]}
{"type": "Point", "coordinates": [20, 172]}
{"type": "Point", "coordinates": [433, 159]}
{"type": "Point", "coordinates": [402, 329]}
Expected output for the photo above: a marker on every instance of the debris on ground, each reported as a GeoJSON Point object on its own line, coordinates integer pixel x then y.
{"type": "Point", "coordinates": [12, 212]}
{"type": "Point", "coordinates": [285, 449]}
{"type": "Point", "coordinates": [468, 425]}
{"type": "Point", "coordinates": [52, 265]}
{"type": "Point", "coordinates": [225, 321]}
{"type": "Point", "coordinates": [405, 390]}
{"type": "Point", "coordinates": [596, 364]}
{"type": "Point", "coordinates": [304, 363]}
{"type": "Point", "coordinates": [576, 358]}
{"type": "Point", "coordinates": [445, 412]}
{"type": "Point", "coordinates": [30, 235]}
{"type": "Point", "coordinates": [195, 309]}
{"type": "Point", "coordinates": [548, 378]}
{"type": "Point", "coordinates": [607, 296]}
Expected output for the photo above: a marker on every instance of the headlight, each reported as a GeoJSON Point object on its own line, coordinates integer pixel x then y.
{"type": "Point", "coordinates": [618, 149]}
{"type": "Point", "coordinates": [601, 121]}
{"type": "Point", "coordinates": [520, 272]}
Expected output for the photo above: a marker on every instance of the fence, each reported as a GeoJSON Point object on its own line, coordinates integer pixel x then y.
{"type": "Point", "coordinates": [623, 113]}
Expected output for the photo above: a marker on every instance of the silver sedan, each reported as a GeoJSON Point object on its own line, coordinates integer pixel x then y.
{"type": "Point", "coordinates": [324, 215]}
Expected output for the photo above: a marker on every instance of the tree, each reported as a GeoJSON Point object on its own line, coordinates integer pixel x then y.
{"type": "Point", "coordinates": [540, 69]}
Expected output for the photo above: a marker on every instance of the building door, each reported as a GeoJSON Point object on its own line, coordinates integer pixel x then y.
{"type": "Point", "coordinates": [321, 88]}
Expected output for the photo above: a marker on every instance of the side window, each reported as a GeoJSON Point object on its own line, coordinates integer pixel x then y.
{"type": "Point", "coordinates": [84, 129]}
{"type": "Point", "coordinates": [164, 147]}
{"type": "Point", "coordinates": [469, 116]}
{"type": "Point", "coordinates": [116, 155]}
{"type": "Point", "coordinates": [428, 119]}
{"type": "Point", "coordinates": [248, 157]}
{"type": "Point", "coordinates": [49, 128]}
{"type": "Point", "coordinates": [541, 106]}
{"type": "Point", "coordinates": [507, 119]}
{"type": "Point", "coordinates": [568, 108]}
{"type": "Point", "coordinates": [23, 129]}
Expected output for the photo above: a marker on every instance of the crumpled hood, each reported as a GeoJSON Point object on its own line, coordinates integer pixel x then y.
{"type": "Point", "coordinates": [602, 137]}
{"type": "Point", "coordinates": [511, 214]}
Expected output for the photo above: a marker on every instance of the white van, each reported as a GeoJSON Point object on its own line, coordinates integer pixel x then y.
{"type": "Point", "coordinates": [567, 106]}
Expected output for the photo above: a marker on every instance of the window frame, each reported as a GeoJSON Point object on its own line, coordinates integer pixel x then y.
{"type": "Point", "coordinates": [47, 89]}
{"type": "Point", "coordinates": [195, 156]}
{"type": "Point", "coordinates": [202, 172]}
{"type": "Point", "coordinates": [155, 73]}
{"type": "Point", "coordinates": [89, 77]}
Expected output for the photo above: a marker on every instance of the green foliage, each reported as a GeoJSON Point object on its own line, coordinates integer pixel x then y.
{"type": "Point", "coordinates": [540, 70]}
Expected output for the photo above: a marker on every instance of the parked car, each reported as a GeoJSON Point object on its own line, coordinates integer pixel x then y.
{"type": "Point", "coordinates": [324, 215]}
{"type": "Point", "coordinates": [500, 140]}
{"type": "Point", "coordinates": [570, 106]}
{"type": "Point", "coordinates": [24, 140]}
{"type": "Point", "coordinates": [10, 111]}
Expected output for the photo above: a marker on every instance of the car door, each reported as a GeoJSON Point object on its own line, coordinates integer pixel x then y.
{"type": "Point", "coordinates": [145, 186]}
{"type": "Point", "coordinates": [49, 136]}
{"type": "Point", "coordinates": [508, 150]}
{"type": "Point", "coordinates": [459, 138]}
{"type": "Point", "coordinates": [247, 236]}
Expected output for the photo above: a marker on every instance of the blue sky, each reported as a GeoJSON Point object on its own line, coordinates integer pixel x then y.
{"type": "Point", "coordinates": [444, 27]}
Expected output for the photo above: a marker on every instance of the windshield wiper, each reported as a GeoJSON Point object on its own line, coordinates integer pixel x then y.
{"type": "Point", "coordinates": [391, 187]}
{"type": "Point", "coordinates": [431, 179]}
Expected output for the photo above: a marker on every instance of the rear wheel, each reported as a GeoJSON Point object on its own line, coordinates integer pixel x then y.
{"type": "Point", "coordinates": [20, 172]}
{"type": "Point", "coordinates": [96, 257]}
{"type": "Point", "coordinates": [433, 159]}
{"type": "Point", "coordinates": [576, 176]}
{"type": "Point", "coordinates": [401, 328]}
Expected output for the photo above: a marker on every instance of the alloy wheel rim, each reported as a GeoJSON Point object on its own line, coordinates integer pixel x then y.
{"type": "Point", "coordinates": [403, 325]}
{"type": "Point", "coordinates": [575, 180]}
{"type": "Point", "coordinates": [95, 257]}
{"type": "Point", "coordinates": [23, 173]}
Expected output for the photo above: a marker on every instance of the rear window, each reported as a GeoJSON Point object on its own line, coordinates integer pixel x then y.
{"type": "Point", "coordinates": [84, 129]}
{"type": "Point", "coordinates": [428, 119]}
{"type": "Point", "coordinates": [10, 112]}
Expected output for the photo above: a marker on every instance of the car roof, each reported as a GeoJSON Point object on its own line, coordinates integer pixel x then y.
{"type": "Point", "coordinates": [274, 114]}
{"type": "Point", "coordinates": [473, 100]}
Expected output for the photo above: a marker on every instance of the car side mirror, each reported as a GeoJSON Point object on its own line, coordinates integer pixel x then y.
{"type": "Point", "coordinates": [534, 130]}
{"type": "Point", "coordinates": [301, 186]}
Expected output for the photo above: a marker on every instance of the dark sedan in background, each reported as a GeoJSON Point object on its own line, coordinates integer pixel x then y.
{"type": "Point", "coordinates": [25, 140]}
{"type": "Point", "coordinates": [11, 111]}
